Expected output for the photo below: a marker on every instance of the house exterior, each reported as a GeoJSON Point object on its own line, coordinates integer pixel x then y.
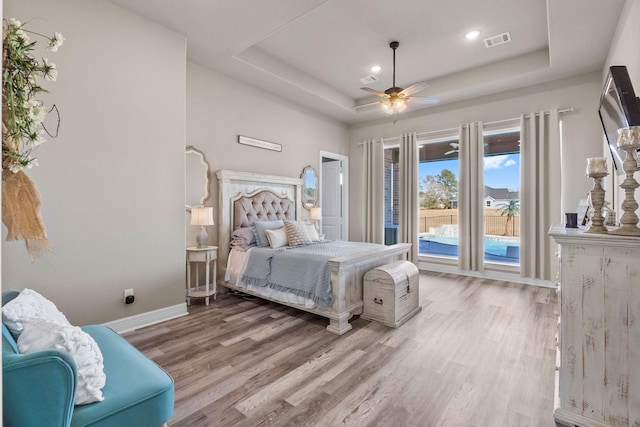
{"type": "Point", "coordinates": [495, 197]}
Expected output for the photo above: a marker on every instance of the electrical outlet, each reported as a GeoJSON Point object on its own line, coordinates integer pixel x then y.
{"type": "Point", "coordinates": [128, 296]}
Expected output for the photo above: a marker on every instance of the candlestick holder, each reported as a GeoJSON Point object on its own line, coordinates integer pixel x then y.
{"type": "Point", "coordinates": [629, 141]}
{"type": "Point", "coordinates": [597, 202]}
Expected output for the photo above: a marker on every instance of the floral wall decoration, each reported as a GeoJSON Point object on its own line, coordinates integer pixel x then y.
{"type": "Point", "coordinates": [23, 130]}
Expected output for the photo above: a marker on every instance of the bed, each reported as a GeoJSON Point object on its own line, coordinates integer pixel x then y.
{"type": "Point", "coordinates": [245, 197]}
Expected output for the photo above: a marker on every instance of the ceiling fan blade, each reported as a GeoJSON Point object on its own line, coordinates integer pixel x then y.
{"type": "Point", "coordinates": [375, 92]}
{"type": "Point", "coordinates": [422, 100]}
{"type": "Point", "coordinates": [415, 88]}
{"type": "Point", "coordinates": [369, 104]}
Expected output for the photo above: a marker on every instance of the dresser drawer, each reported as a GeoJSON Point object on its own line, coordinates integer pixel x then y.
{"type": "Point", "coordinates": [201, 256]}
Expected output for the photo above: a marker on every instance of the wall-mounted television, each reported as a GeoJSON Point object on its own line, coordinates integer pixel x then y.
{"type": "Point", "coordinates": [619, 108]}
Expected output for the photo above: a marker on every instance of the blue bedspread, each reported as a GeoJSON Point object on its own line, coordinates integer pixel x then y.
{"type": "Point", "coordinates": [301, 270]}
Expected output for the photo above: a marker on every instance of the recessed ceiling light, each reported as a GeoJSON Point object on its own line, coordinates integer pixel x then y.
{"type": "Point", "coordinates": [471, 35]}
{"type": "Point", "coordinates": [376, 69]}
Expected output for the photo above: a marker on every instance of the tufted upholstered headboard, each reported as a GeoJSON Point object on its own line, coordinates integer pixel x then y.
{"type": "Point", "coordinates": [245, 196]}
{"type": "Point", "coordinates": [263, 205]}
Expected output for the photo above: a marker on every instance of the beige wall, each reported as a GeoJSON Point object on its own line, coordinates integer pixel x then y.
{"type": "Point", "coordinates": [220, 108]}
{"type": "Point", "coordinates": [112, 183]}
{"type": "Point", "coordinates": [625, 50]}
{"type": "Point", "coordinates": [581, 131]}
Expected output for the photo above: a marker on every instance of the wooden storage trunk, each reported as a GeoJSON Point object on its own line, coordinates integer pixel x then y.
{"type": "Point", "coordinates": [391, 293]}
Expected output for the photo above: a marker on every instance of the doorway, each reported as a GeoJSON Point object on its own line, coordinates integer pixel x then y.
{"type": "Point", "coordinates": [334, 195]}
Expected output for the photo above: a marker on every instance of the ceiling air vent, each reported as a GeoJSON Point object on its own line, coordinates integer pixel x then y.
{"type": "Point", "coordinates": [496, 40]}
{"type": "Point", "coordinates": [368, 80]}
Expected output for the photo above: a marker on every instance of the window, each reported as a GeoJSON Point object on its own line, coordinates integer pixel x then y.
{"type": "Point", "coordinates": [502, 195]}
{"type": "Point", "coordinates": [391, 194]}
{"type": "Point", "coordinates": [438, 193]}
{"type": "Point", "coordinates": [438, 187]}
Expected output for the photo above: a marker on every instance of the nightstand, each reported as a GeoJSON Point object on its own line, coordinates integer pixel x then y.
{"type": "Point", "coordinates": [208, 256]}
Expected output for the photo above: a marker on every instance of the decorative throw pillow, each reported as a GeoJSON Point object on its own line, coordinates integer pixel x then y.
{"type": "Point", "coordinates": [246, 235]}
{"type": "Point", "coordinates": [312, 232]}
{"type": "Point", "coordinates": [260, 226]}
{"type": "Point", "coordinates": [277, 237]}
{"type": "Point", "coordinates": [242, 239]}
{"type": "Point", "coordinates": [297, 233]}
{"type": "Point", "coordinates": [27, 306]}
{"type": "Point", "coordinates": [40, 334]}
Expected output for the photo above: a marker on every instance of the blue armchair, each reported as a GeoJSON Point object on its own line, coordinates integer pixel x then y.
{"type": "Point", "coordinates": [39, 388]}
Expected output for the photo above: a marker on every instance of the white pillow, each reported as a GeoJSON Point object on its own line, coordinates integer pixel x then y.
{"type": "Point", "coordinates": [27, 306]}
{"type": "Point", "coordinates": [277, 237]}
{"type": "Point", "coordinates": [40, 334]}
{"type": "Point", "coordinates": [297, 233]}
{"type": "Point", "coordinates": [260, 226]}
{"type": "Point", "coordinates": [312, 232]}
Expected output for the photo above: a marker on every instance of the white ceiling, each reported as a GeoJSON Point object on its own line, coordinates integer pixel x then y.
{"type": "Point", "coordinates": [313, 52]}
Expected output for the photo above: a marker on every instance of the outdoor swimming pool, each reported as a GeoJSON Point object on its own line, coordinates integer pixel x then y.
{"type": "Point", "coordinates": [502, 249]}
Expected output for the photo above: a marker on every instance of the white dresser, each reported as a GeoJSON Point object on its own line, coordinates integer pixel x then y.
{"type": "Point", "coordinates": [599, 329]}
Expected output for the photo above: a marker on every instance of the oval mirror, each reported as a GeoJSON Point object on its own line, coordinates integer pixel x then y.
{"type": "Point", "coordinates": [309, 187]}
{"type": "Point", "coordinates": [198, 185]}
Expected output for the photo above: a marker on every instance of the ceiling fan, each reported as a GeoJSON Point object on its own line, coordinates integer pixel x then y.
{"type": "Point", "coordinates": [395, 98]}
{"type": "Point", "coordinates": [455, 148]}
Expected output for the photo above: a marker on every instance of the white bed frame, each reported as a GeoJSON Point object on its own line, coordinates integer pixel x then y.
{"type": "Point", "coordinates": [346, 272]}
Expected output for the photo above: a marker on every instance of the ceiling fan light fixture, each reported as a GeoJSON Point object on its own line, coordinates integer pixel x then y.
{"type": "Point", "coordinates": [393, 105]}
{"type": "Point", "coordinates": [387, 106]}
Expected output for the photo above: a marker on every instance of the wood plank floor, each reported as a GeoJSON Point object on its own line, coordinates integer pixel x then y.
{"type": "Point", "coordinates": [481, 353]}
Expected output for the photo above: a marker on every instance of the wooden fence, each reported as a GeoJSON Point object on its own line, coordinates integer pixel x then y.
{"type": "Point", "coordinates": [494, 223]}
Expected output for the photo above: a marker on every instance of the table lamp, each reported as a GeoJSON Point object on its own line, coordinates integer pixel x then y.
{"type": "Point", "coordinates": [316, 214]}
{"type": "Point", "coordinates": [202, 216]}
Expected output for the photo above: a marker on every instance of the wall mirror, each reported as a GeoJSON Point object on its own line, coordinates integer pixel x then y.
{"type": "Point", "coordinates": [198, 176]}
{"type": "Point", "coordinates": [309, 187]}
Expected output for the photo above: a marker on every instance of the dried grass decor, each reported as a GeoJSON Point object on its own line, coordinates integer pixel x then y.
{"type": "Point", "coordinates": [23, 130]}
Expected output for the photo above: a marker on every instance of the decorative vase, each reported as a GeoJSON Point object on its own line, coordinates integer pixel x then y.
{"type": "Point", "coordinates": [597, 169]}
{"type": "Point", "coordinates": [629, 141]}
{"type": "Point", "coordinates": [597, 202]}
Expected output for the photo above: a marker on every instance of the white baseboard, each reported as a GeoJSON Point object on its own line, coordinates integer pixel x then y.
{"type": "Point", "coordinates": [128, 324]}
{"type": "Point", "coordinates": [487, 274]}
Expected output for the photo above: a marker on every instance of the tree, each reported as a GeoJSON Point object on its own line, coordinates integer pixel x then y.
{"type": "Point", "coordinates": [510, 209]}
{"type": "Point", "coordinates": [438, 191]}
{"type": "Point", "coordinates": [449, 183]}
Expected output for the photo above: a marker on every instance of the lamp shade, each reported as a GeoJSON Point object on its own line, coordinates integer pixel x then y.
{"type": "Point", "coordinates": [316, 213]}
{"type": "Point", "coordinates": [202, 216]}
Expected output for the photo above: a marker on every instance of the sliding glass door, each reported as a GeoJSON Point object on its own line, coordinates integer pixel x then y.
{"type": "Point", "coordinates": [502, 196]}
{"type": "Point", "coordinates": [439, 180]}
{"type": "Point", "coordinates": [438, 197]}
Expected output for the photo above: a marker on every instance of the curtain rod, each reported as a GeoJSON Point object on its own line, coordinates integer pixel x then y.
{"type": "Point", "coordinates": [527, 116]}
{"type": "Point", "coordinates": [423, 134]}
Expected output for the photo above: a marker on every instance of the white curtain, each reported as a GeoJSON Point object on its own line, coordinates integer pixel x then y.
{"type": "Point", "coordinates": [470, 198]}
{"type": "Point", "coordinates": [539, 192]}
{"type": "Point", "coordinates": [409, 194]}
{"type": "Point", "coordinates": [373, 190]}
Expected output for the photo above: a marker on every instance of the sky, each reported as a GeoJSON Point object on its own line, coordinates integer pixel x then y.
{"type": "Point", "coordinates": [501, 171]}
